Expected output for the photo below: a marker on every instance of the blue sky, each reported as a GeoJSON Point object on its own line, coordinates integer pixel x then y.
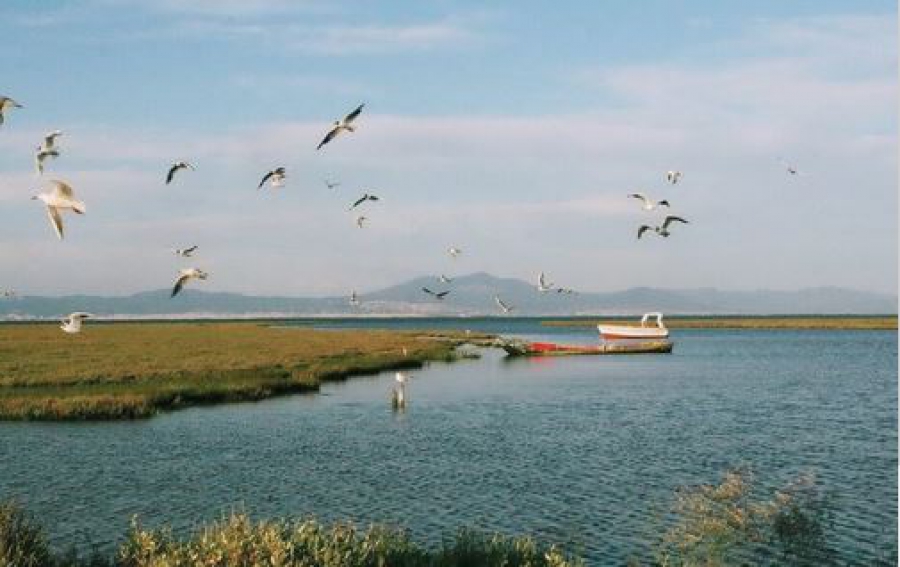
{"type": "Point", "coordinates": [511, 130]}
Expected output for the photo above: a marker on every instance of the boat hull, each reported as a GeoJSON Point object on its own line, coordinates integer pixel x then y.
{"type": "Point", "coordinates": [617, 332]}
{"type": "Point", "coordinates": [517, 348]}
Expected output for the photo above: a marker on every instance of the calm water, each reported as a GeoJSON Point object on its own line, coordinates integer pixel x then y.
{"type": "Point", "coordinates": [581, 450]}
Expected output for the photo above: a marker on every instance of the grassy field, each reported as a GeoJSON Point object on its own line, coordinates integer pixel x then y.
{"type": "Point", "coordinates": [878, 322]}
{"type": "Point", "coordinates": [131, 370]}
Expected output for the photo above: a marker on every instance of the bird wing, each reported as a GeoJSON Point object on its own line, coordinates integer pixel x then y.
{"type": "Point", "coordinates": [640, 196]}
{"type": "Point", "coordinates": [352, 116]}
{"type": "Point", "coordinates": [663, 203]}
{"type": "Point", "coordinates": [442, 294]}
{"type": "Point", "coordinates": [644, 228]}
{"type": "Point", "coordinates": [670, 219]}
{"type": "Point", "coordinates": [373, 197]}
{"type": "Point", "coordinates": [171, 173]}
{"type": "Point", "coordinates": [179, 283]}
{"type": "Point", "coordinates": [80, 315]}
{"type": "Point", "coordinates": [50, 138]}
{"type": "Point", "coordinates": [428, 291]}
{"type": "Point", "coordinates": [189, 250]}
{"type": "Point", "coordinates": [62, 189]}
{"type": "Point", "coordinates": [265, 178]}
{"type": "Point", "coordinates": [55, 220]}
{"type": "Point", "coordinates": [358, 202]}
{"type": "Point", "coordinates": [328, 137]}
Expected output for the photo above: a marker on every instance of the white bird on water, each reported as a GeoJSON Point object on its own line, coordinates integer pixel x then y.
{"type": "Point", "coordinates": [506, 308]}
{"type": "Point", "coordinates": [661, 230]}
{"type": "Point", "coordinates": [673, 176]}
{"type": "Point", "coordinates": [275, 178]}
{"type": "Point", "coordinates": [178, 165]}
{"type": "Point", "coordinates": [454, 252]}
{"type": "Point", "coordinates": [647, 203]}
{"type": "Point", "coordinates": [186, 275]}
{"type": "Point", "coordinates": [543, 286]}
{"type": "Point", "coordinates": [46, 150]}
{"type": "Point", "coordinates": [72, 323]}
{"type": "Point", "coordinates": [346, 123]}
{"type": "Point", "coordinates": [59, 199]}
{"type": "Point", "coordinates": [6, 104]}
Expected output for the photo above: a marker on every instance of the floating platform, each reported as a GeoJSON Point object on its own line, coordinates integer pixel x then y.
{"type": "Point", "coordinates": [524, 348]}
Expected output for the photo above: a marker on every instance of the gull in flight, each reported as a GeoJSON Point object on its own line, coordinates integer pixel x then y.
{"type": "Point", "coordinates": [454, 252]}
{"type": "Point", "coordinates": [5, 104]}
{"type": "Point", "coordinates": [175, 167]}
{"type": "Point", "coordinates": [186, 252]}
{"type": "Point", "coordinates": [332, 184]}
{"type": "Point", "coordinates": [340, 125]}
{"type": "Point", "coordinates": [72, 323]}
{"type": "Point", "coordinates": [445, 279]}
{"type": "Point", "coordinates": [47, 149]}
{"type": "Point", "coordinates": [57, 200]}
{"type": "Point", "coordinates": [649, 204]}
{"type": "Point", "coordinates": [661, 230]}
{"type": "Point", "coordinates": [436, 294]}
{"type": "Point", "coordinates": [274, 177]}
{"type": "Point", "coordinates": [543, 286]}
{"type": "Point", "coordinates": [503, 306]}
{"type": "Point", "coordinates": [186, 275]}
{"type": "Point", "coordinates": [791, 169]}
{"type": "Point", "coordinates": [354, 299]}
{"type": "Point", "coordinates": [674, 177]}
{"type": "Point", "coordinates": [361, 200]}
{"type": "Point", "coordinates": [9, 293]}
{"type": "Point", "coordinates": [360, 220]}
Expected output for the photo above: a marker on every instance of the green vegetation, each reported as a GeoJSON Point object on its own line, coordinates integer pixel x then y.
{"type": "Point", "coordinates": [879, 322]}
{"type": "Point", "coordinates": [239, 541]}
{"type": "Point", "coordinates": [132, 370]}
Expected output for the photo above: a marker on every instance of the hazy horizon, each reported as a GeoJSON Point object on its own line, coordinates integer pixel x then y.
{"type": "Point", "coordinates": [524, 167]}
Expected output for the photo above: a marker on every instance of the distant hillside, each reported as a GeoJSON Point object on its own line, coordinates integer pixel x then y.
{"type": "Point", "coordinates": [469, 295]}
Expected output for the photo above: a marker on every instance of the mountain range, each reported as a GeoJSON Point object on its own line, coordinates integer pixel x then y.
{"type": "Point", "coordinates": [469, 295]}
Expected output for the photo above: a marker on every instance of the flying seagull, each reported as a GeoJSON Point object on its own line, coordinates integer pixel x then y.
{"type": "Point", "coordinates": [5, 104]}
{"type": "Point", "coordinates": [360, 220]}
{"type": "Point", "coordinates": [674, 177]}
{"type": "Point", "coordinates": [453, 251]}
{"type": "Point", "coordinates": [354, 299]}
{"type": "Point", "coordinates": [436, 294]}
{"type": "Point", "coordinates": [543, 286]}
{"type": "Point", "coordinates": [661, 230]}
{"type": "Point", "coordinates": [8, 293]}
{"type": "Point", "coordinates": [791, 169]}
{"type": "Point", "coordinates": [361, 200]}
{"type": "Point", "coordinates": [445, 279]}
{"type": "Point", "coordinates": [175, 167]}
{"type": "Point", "coordinates": [57, 200]}
{"type": "Point", "coordinates": [72, 323]}
{"type": "Point", "coordinates": [503, 306]}
{"type": "Point", "coordinates": [649, 204]}
{"type": "Point", "coordinates": [186, 275]}
{"type": "Point", "coordinates": [339, 125]}
{"type": "Point", "coordinates": [186, 252]}
{"type": "Point", "coordinates": [332, 184]}
{"type": "Point", "coordinates": [47, 149]}
{"type": "Point", "coordinates": [274, 177]}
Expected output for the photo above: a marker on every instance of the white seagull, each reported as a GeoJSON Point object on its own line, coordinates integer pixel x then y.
{"type": "Point", "coordinates": [454, 252]}
{"type": "Point", "coordinates": [175, 167]}
{"type": "Point", "coordinates": [47, 149]}
{"type": "Point", "coordinates": [360, 220]}
{"type": "Point", "coordinates": [186, 275]}
{"type": "Point", "coordinates": [339, 125]}
{"type": "Point", "coordinates": [57, 200]}
{"type": "Point", "coordinates": [6, 103]}
{"type": "Point", "coordinates": [506, 308]}
{"type": "Point", "coordinates": [674, 177]}
{"type": "Point", "coordinates": [649, 204]}
{"type": "Point", "coordinates": [186, 252]}
{"type": "Point", "coordinates": [72, 323]}
{"type": "Point", "coordinates": [661, 230]}
{"type": "Point", "coordinates": [274, 177]}
{"type": "Point", "coordinates": [543, 286]}
{"type": "Point", "coordinates": [354, 299]}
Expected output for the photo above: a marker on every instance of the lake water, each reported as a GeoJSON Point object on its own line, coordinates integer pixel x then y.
{"type": "Point", "coordinates": [582, 450]}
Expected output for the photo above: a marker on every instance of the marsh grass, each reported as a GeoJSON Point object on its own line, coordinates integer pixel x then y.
{"type": "Point", "coordinates": [870, 323]}
{"type": "Point", "coordinates": [133, 370]}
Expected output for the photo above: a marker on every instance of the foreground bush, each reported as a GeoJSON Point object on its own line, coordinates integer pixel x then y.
{"type": "Point", "coordinates": [22, 541]}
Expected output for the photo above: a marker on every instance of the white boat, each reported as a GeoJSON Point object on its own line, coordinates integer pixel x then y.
{"type": "Point", "coordinates": [645, 331]}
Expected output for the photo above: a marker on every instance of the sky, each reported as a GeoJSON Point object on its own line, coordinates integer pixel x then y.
{"type": "Point", "coordinates": [511, 130]}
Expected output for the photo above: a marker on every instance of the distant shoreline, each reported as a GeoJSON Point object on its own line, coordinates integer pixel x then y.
{"type": "Point", "coordinates": [785, 322]}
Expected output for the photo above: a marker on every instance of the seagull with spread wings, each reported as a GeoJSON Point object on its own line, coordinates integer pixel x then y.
{"type": "Point", "coordinates": [178, 165]}
{"type": "Point", "coordinates": [339, 126]}
{"type": "Point", "coordinates": [275, 178]}
{"type": "Point", "coordinates": [72, 323]}
{"type": "Point", "coordinates": [59, 199]}
{"type": "Point", "coordinates": [662, 230]}
{"type": "Point", "coordinates": [673, 176]}
{"type": "Point", "coordinates": [363, 199]}
{"type": "Point", "coordinates": [505, 307]}
{"type": "Point", "coordinates": [354, 299]}
{"type": "Point", "coordinates": [454, 251]}
{"type": "Point", "coordinates": [647, 203]}
{"type": "Point", "coordinates": [436, 294]}
{"type": "Point", "coordinates": [6, 104]}
{"type": "Point", "coordinates": [46, 150]}
{"type": "Point", "coordinates": [543, 286]}
{"type": "Point", "coordinates": [186, 275]}
{"type": "Point", "coordinates": [186, 252]}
